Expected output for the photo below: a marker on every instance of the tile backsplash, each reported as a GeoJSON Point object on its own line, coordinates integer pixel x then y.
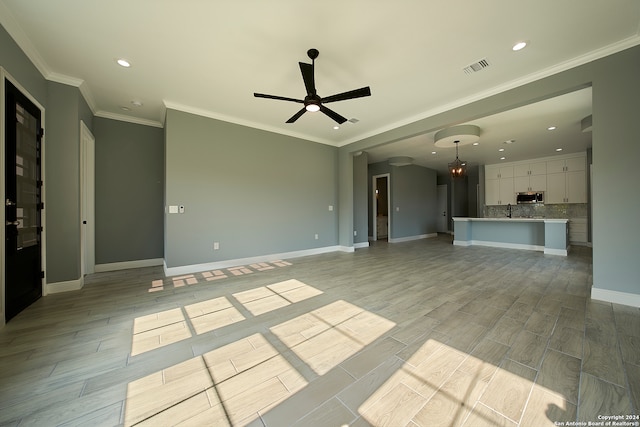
{"type": "Point", "coordinates": [567, 210]}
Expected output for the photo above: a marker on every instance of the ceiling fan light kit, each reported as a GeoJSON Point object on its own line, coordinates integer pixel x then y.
{"type": "Point", "coordinates": [313, 102]}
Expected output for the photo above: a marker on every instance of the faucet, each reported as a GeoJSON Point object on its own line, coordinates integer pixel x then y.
{"type": "Point", "coordinates": [509, 210]}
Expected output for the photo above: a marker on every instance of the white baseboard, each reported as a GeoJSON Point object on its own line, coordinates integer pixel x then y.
{"type": "Point", "coordinates": [410, 238]}
{"type": "Point", "coordinates": [125, 265]}
{"type": "Point", "coordinates": [616, 297]}
{"type": "Point", "coordinates": [561, 252]}
{"type": "Point", "coordinates": [195, 268]}
{"type": "Point", "coordinates": [361, 245]}
{"type": "Point", "coordinates": [69, 285]}
{"type": "Point", "coordinates": [499, 245]}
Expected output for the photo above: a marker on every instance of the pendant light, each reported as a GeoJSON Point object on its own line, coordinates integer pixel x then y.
{"type": "Point", "coordinates": [457, 168]}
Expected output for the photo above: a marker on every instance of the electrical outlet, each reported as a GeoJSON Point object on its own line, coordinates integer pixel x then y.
{"type": "Point", "coordinates": [216, 246]}
{"type": "Point", "coordinates": [181, 209]}
{"type": "Point", "coordinates": [330, 207]}
{"type": "Point", "coordinates": [355, 233]}
{"type": "Point", "coordinates": [316, 237]}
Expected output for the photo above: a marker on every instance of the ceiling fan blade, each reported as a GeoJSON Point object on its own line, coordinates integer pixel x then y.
{"type": "Point", "coordinates": [297, 115]}
{"type": "Point", "coordinates": [281, 98]}
{"type": "Point", "coordinates": [335, 116]}
{"type": "Point", "coordinates": [356, 93]}
{"type": "Point", "coordinates": [307, 76]}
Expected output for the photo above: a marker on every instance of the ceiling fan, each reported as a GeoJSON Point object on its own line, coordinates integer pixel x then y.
{"type": "Point", "coordinates": [312, 102]}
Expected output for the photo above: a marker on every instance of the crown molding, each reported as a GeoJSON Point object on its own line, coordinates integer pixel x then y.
{"type": "Point", "coordinates": [129, 119]}
{"type": "Point", "coordinates": [212, 115]}
{"type": "Point", "coordinates": [555, 69]}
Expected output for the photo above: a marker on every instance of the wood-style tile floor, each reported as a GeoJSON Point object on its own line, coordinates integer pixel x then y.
{"type": "Point", "coordinates": [420, 333]}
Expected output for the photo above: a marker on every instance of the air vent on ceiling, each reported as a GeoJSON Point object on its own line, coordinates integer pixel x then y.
{"type": "Point", "coordinates": [476, 66]}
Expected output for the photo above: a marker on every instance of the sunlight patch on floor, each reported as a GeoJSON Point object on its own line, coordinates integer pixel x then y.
{"type": "Point", "coordinates": [325, 337]}
{"type": "Point", "coordinates": [212, 275]}
{"type": "Point", "coordinates": [438, 385]}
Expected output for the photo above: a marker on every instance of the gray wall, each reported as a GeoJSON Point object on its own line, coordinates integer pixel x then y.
{"type": "Point", "coordinates": [414, 201]}
{"type": "Point", "coordinates": [616, 88]}
{"type": "Point", "coordinates": [255, 192]}
{"type": "Point", "coordinates": [413, 190]}
{"type": "Point", "coordinates": [616, 151]}
{"type": "Point", "coordinates": [16, 63]}
{"type": "Point", "coordinates": [62, 182]}
{"type": "Point", "coordinates": [64, 108]}
{"type": "Point", "coordinates": [129, 191]}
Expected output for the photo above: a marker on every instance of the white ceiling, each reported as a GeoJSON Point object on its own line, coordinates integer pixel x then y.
{"type": "Point", "coordinates": [209, 57]}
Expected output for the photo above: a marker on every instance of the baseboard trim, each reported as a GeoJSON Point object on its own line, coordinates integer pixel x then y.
{"type": "Point", "coordinates": [560, 252]}
{"type": "Point", "coordinates": [616, 297]}
{"type": "Point", "coordinates": [499, 245]}
{"type": "Point", "coordinates": [196, 268]}
{"type": "Point", "coordinates": [67, 286]}
{"type": "Point", "coordinates": [410, 238]}
{"type": "Point", "coordinates": [361, 245]}
{"type": "Point", "coordinates": [125, 265]}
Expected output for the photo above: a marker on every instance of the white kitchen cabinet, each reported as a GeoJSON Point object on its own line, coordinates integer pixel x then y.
{"type": "Point", "coordinates": [530, 183]}
{"type": "Point", "coordinates": [566, 181]}
{"type": "Point", "coordinates": [498, 171]}
{"type": "Point", "coordinates": [563, 179]}
{"type": "Point", "coordinates": [499, 192]}
{"type": "Point", "coordinates": [530, 169]}
{"type": "Point", "coordinates": [578, 230]}
{"type": "Point", "coordinates": [530, 177]}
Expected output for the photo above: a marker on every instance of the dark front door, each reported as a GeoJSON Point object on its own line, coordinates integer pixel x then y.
{"type": "Point", "coordinates": [23, 263]}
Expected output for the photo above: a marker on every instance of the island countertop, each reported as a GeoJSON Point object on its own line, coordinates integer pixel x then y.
{"type": "Point", "coordinates": [514, 219]}
{"type": "Point", "coordinates": [548, 235]}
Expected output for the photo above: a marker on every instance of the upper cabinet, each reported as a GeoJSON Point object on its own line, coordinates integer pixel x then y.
{"type": "Point", "coordinates": [530, 177]}
{"type": "Point", "coordinates": [562, 178]}
{"type": "Point", "coordinates": [567, 180]}
{"type": "Point", "coordinates": [499, 189]}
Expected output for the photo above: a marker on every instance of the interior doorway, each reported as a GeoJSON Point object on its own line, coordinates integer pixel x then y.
{"type": "Point", "coordinates": [381, 207]}
{"type": "Point", "coordinates": [443, 208]}
{"type": "Point", "coordinates": [87, 167]}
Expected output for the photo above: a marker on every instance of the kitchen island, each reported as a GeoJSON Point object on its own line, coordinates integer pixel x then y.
{"type": "Point", "coordinates": [539, 234]}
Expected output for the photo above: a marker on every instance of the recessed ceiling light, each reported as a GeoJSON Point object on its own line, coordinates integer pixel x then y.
{"type": "Point", "coordinates": [136, 103]}
{"type": "Point", "coordinates": [510, 141]}
{"type": "Point", "coordinates": [551, 128]}
{"type": "Point", "coordinates": [336, 127]}
{"type": "Point", "coordinates": [125, 108]}
{"type": "Point", "coordinates": [519, 46]}
{"type": "Point", "coordinates": [123, 63]}
{"type": "Point", "coordinates": [501, 149]}
{"type": "Point", "coordinates": [502, 158]}
{"type": "Point", "coordinates": [476, 143]}
{"type": "Point", "coordinates": [433, 152]}
{"type": "Point", "coordinates": [558, 149]}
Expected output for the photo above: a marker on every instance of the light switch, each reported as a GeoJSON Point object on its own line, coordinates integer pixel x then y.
{"type": "Point", "coordinates": [330, 207]}
{"type": "Point", "coordinates": [173, 209]}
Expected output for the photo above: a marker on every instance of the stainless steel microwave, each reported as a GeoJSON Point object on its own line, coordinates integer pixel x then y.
{"type": "Point", "coordinates": [530, 197]}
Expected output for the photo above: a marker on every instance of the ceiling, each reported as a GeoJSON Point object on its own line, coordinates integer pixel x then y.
{"type": "Point", "coordinates": [209, 56]}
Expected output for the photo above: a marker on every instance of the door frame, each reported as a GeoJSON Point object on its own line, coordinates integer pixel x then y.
{"type": "Point", "coordinates": [4, 75]}
{"type": "Point", "coordinates": [444, 187]}
{"type": "Point", "coordinates": [374, 205]}
{"type": "Point", "coordinates": [87, 194]}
